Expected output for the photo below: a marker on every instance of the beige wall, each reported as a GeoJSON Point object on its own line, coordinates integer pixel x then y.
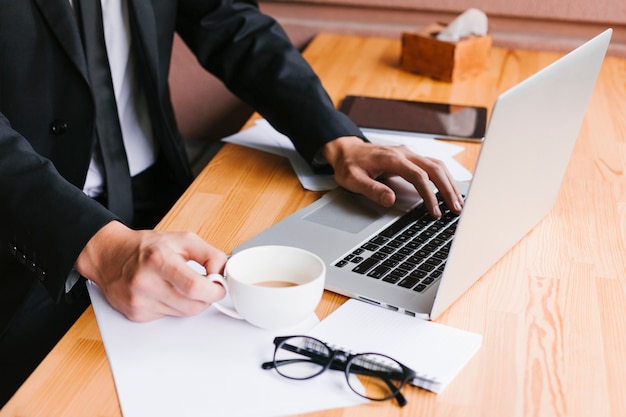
{"type": "Point", "coordinates": [534, 24]}
{"type": "Point", "coordinates": [597, 10]}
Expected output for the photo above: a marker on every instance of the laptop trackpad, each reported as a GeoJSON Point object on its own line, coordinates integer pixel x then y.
{"type": "Point", "coordinates": [348, 212]}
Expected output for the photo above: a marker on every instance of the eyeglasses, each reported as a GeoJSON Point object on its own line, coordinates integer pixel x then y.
{"type": "Point", "coordinates": [373, 376]}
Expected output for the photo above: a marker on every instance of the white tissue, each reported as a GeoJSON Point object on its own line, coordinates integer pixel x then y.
{"type": "Point", "coordinates": [470, 22]}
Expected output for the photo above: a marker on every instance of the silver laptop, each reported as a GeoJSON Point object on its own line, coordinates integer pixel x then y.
{"type": "Point", "coordinates": [529, 140]}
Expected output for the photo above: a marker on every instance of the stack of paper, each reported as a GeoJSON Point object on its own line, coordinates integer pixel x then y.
{"type": "Point", "coordinates": [262, 136]}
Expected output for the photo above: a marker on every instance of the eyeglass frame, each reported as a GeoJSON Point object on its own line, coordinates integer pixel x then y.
{"type": "Point", "coordinates": [340, 360]}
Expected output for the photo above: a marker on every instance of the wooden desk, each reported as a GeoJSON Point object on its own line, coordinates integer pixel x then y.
{"type": "Point", "coordinates": [552, 311]}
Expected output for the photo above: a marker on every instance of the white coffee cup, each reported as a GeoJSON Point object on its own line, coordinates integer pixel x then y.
{"type": "Point", "coordinates": [272, 287]}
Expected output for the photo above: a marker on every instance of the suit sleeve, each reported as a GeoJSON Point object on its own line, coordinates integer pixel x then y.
{"type": "Point", "coordinates": [44, 220]}
{"type": "Point", "coordinates": [251, 53]}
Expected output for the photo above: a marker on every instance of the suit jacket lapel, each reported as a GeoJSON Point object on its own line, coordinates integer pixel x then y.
{"type": "Point", "coordinates": [61, 21]}
{"type": "Point", "coordinates": [142, 24]}
{"type": "Point", "coordinates": [143, 27]}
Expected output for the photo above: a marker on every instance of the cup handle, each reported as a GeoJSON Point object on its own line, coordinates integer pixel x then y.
{"type": "Point", "coordinates": [226, 310]}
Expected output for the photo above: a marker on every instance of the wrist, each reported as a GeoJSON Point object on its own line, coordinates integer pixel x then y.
{"type": "Point", "coordinates": [102, 246]}
{"type": "Point", "coordinates": [336, 150]}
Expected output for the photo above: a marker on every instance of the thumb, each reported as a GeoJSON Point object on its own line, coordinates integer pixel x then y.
{"type": "Point", "coordinates": [373, 190]}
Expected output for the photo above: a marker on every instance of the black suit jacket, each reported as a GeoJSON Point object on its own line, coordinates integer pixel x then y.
{"type": "Point", "coordinates": [47, 116]}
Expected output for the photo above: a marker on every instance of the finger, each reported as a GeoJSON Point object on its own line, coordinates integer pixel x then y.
{"type": "Point", "coordinates": [446, 185]}
{"type": "Point", "coordinates": [453, 197]}
{"type": "Point", "coordinates": [168, 300]}
{"type": "Point", "coordinates": [191, 285]}
{"type": "Point", "coordinates": [215, 261]}
{"type": "Point", "coordinates": [363, 184]}
{"type": "Point", "coordinates": [425, 190]}
{"type": "Point", "coordinates": [441, 177]}
{"type": "Point", "coordinates": [175, 270]}
{"type": "Point", "coordinates": [415, 169]}
{"type": "Point", "coordinates": [195, 248]}
{"type": "Point", "coordinates": [149, 298]}
{"type": "Point", "coordinates": [180, 307]}
{"type": "Point", "coordinates": [183, 306]}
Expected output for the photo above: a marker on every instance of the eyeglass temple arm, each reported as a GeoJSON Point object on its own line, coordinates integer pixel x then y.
{"type": "Point", "coordinates": [274, 364]}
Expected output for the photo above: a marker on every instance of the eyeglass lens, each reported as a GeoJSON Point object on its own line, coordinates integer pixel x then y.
{"type": "Point", "coordinates": [373, 376]}
{"type": "Point", "coordinates": [380, 377]}
{"type": "Point", "coordinates": [301, 358]}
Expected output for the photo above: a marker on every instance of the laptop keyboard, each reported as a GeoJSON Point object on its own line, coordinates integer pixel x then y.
{"type": "Point", "coordinates": [410, 253]}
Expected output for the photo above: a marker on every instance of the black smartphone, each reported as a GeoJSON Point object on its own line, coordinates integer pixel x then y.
{"type": "Point", "coordinates": [439, 120]}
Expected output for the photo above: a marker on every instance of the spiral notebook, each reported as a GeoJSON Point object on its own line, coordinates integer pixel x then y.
{"type": "Point", "coordinates": [435, 351]}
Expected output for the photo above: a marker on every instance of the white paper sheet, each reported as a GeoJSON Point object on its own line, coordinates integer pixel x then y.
{"type": "Point", "coordinates": [426, 146]}
{"type": "Point", "coordinates": [436, 352]}
{"type": "Point", "coordinates": [207, 365]}
{"type": "Point", "coordinates": [262, 136]}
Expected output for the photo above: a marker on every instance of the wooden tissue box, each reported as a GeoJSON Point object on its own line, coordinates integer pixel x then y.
{"type": "Point", "coordinates": [424, 54]}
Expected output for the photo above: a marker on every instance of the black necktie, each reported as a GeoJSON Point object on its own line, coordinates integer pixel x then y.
{"type": "Point", "coordinates": [108, 131]}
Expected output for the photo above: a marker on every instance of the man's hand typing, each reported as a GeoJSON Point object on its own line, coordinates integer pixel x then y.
{"type": "Point", "coordinates": [357, 164]}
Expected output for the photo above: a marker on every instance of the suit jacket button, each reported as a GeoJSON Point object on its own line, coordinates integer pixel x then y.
{"type": "Point", "coordinates": [41, 274]}
{"type": "Point", "coordinates": [58, 127]}
{"type": "Point", "coordinates": [21, 257]}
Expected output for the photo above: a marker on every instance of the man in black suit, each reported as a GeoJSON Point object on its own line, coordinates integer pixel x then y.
{"type": "Point", "coordinates": [54, 233]}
